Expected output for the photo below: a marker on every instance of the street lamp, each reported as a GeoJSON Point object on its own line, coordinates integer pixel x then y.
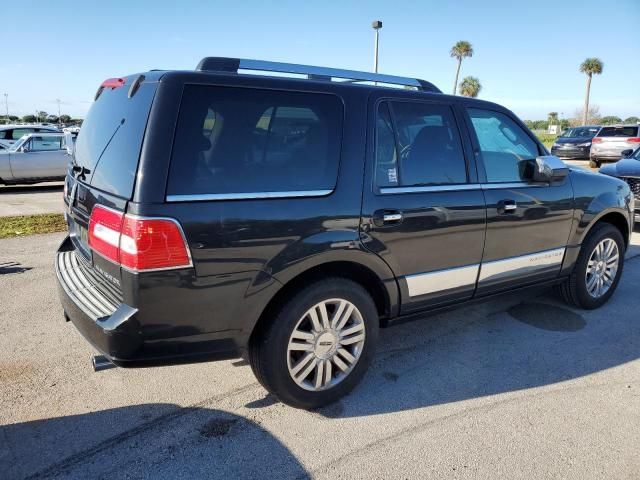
{"type": "Point", "coordinates": [58, 100]}
{"type": "Point", "coordinates": [6, 106]}
{"type": "Point", "coordinates": [377, 25]}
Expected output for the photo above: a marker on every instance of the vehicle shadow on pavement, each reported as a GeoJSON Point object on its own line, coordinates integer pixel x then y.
{"type": "Point", "coordinates": [176, 442]}
{"type": "Point", "coordinates": [519, 342]}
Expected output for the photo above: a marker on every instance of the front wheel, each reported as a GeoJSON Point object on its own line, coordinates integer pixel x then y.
{"type": "Point", "coordinates": [597, 270]}
{"type": "Point", "coordinates": [595, 163]}
{"type": "Point", "coordinates": [318, 346]}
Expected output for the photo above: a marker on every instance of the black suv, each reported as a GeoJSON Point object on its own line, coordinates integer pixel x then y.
{"type": "Point", "coordinates": [214, 214]}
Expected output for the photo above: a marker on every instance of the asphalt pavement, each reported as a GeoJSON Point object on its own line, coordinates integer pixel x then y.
{"type": "Point", "coordinates": [517, 387]}
{"type": "Point", "coordinates": [31, 199]}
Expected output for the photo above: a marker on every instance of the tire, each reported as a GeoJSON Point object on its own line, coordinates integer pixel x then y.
{"type": "Point", "coordinates": [575, 290]}
{"type": "Point", "coordinates": [595, 163]}
{"type": "Point", "coordinates": [275, 363]}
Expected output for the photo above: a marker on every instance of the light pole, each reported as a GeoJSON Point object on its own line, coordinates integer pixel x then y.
{"type": "Point", "coordinates": [6, 106]}
{"type": "Point", "coordinates": [377, 25]}
{"type": "Point", "coordinates": [58, 100]}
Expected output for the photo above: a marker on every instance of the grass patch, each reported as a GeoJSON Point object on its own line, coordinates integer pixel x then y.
{"type": "Point", "coordinates": [31, 224]}
{"type": "Point", "coordinates": [547, 139]}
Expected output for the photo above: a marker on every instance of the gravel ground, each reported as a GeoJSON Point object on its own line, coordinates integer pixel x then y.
{"type": "Point", "coordinates": [519, 387]}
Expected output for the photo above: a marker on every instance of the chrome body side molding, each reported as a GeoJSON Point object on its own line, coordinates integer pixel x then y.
{"type": "Point", "coordinates": [423, 283]}
{"type": "Point", "coordinates": [523, 264]}
{"type": "Point", "coordinates": [441, 280]}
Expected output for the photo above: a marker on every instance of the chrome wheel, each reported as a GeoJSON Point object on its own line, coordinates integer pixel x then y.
{"type": "Point", "coordinates": [602, 267]}
{"type": "Point", "coordinates": [326, 344]}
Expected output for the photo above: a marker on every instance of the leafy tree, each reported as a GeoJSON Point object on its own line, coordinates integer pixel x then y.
{"type": "Point", "coordinates": [460, 50]}
{"type": "Point", "coordinates": [42, 116]}
{"type": "Point", "coordinates": [65, 118]}
{"type": "Point", "coordinates": [632, 120]}
{"type": "Point", "coordinates": [610, 120]}
{"type": "Point", "coordinates": [29, 119]}
{"type": "Point", "coordinates": [589, 67]}
{"type": "Point", "coordinates": [552, 118]}
{"type": "Point", "coordinates": [470, 87]}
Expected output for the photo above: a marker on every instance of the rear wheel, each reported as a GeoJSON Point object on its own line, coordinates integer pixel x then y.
{"type": "Point", "coordinates": [595, 163]}
{"type": "Point", "coordinates": [318, 346]}
{"type": "Point", "coordinates": [597, 270]}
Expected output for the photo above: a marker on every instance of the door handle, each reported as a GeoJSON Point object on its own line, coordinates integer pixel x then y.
{"type": "Point", "coordinates": [391, 217]}
{"type": "Point", "coordinates": [385, 218]}
{"type": "Point", "coordinates": [507, 206]}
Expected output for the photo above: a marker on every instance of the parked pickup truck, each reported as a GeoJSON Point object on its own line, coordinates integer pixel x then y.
{"type": "Point", "coordinates": [36, 157]}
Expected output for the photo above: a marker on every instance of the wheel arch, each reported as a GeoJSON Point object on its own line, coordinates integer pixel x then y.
{"type": "Point", "coordinates": [384, 292]}
{"type": "Point", "coordinates": [613, 217]}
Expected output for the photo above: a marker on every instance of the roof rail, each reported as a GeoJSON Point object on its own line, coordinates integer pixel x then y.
{"type": "Point", "coordinates": [232, 65]}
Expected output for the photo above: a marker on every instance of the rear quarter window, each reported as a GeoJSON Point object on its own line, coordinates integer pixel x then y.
{"type": "Point", "coordinates": [238, 140]}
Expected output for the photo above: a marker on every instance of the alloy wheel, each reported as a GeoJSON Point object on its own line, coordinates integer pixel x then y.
{"type": "Point", "coordinates": [602, 267]}
{"type": "Point", "coordinates": [325, 344]}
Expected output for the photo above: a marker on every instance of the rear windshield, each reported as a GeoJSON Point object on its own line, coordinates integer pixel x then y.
{"type": "Point", "coordinates": [618, 132]}
{"type": "Point", "coordinates": [111, 137]}
{"type": "Point", "coordinates": [581, 132]}
{"type": "Point", "coordinates": [239, 140]}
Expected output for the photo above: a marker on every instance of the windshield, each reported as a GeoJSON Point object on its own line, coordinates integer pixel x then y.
{"type": "Point", "coordinates": [580, 132]}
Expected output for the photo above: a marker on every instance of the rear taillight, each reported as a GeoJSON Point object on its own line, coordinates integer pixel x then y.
{"type": "Point", "coordinates": [138, 243]}
{"type": "Point", "coordinates": [633, 139]}
{"type": "Point", "coordinates": [596, 140]}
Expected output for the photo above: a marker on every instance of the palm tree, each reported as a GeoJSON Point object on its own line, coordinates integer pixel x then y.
{"type": "Point", "coordinates": [460, 50]}
{"type": "Point", "coordinates": [589, 66]}
{"type": "Point", "coordinates": [470, 87]}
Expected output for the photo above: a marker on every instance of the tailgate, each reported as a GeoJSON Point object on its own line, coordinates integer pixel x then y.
{"type": "Point", "coordinates": [105, 161]}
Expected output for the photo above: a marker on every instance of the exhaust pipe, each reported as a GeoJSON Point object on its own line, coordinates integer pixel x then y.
{"type": "Point", "coordinates": [100, 363]}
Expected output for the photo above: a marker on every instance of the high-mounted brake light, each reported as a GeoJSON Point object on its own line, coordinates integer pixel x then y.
{"type": "Point", "coordinates": [113, 83]}
{"type": "Point", "coordinates": [138, 243]}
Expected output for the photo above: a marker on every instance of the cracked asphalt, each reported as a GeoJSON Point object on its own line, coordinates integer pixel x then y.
{"type": "Point", "coordinates": [517, 387]}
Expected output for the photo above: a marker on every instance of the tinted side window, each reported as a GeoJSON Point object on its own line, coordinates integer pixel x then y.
{"type": "Point", "coordinates": [428, 142]}
{"type": "Point", "coordinates": [506, 149]}
{"type": "Point", "coordinates": [239, 140]}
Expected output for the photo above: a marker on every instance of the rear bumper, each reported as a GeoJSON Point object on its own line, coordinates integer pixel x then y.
{"type": "Point", "coordinates": [605, 157]}
{"type": "Point", "coordinates": [113, 329]}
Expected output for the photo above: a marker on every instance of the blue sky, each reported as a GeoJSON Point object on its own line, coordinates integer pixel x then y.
{"type": "Point", "coordinates": [526, 53]}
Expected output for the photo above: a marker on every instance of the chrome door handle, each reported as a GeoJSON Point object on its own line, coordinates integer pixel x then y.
{"type": "Point", "coordinates": [507, 206]}
{"type": "Point", "coordinates": [391, 217]}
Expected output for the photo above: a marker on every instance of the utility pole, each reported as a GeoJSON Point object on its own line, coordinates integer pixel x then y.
{"type": "Point", "coordinates": [377, 25]}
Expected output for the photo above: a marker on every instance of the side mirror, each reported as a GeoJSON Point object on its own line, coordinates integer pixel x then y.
{"type": "Point", "coordinates": [626, 153]}
{"type": "Point", "coordinates": [24, 149]}
{"type": "Point", "coordinates": [549, 168]}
